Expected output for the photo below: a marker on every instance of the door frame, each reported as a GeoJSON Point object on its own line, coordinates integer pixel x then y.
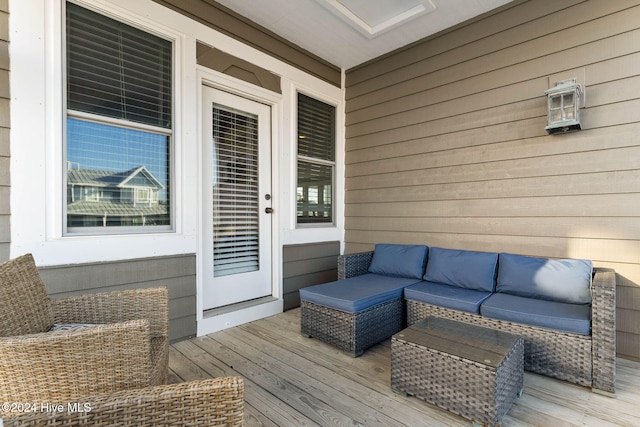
{"type": "Point", "coordinates": [238, 286]}
{"type": "Point", "coordinates": [218, 319]}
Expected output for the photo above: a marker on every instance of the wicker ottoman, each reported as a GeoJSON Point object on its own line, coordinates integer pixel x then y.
{"type": "Point", "coordinates": [469, 370]}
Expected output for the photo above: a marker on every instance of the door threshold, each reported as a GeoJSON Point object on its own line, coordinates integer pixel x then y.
{"type": "Point", "coordinates": [217, 319]}
{"type": "Point", "coordinates": [236, 307]}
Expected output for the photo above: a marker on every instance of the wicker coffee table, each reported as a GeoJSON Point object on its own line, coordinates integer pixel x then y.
{"type": "Point", "coordinates": [469, 370]}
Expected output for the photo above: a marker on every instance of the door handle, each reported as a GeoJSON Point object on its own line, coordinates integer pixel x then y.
{"type": "Point", "coordinates": [268, 210]}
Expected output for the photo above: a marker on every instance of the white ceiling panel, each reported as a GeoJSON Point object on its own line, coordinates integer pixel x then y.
{"type": "Point", "coordinates": [347, 33]}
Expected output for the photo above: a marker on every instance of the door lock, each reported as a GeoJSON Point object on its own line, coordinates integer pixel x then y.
{"type": "Point", "coordinates": [268, 210]}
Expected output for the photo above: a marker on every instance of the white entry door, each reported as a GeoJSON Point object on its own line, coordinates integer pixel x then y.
{"type": "Point", "coordinates": [237, 199]}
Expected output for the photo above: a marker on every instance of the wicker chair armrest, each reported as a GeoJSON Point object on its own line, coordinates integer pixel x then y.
{"type": "Point", "coordinates": [211, 402]}
{"type": "Point", "coordinates": [352, 265]}
{"type": "Point", "coordinates": [116, 307]}
{"type": "Point", "coordinates": [603, 329]}
{"type": "Point", "coordinates": [63, 365]}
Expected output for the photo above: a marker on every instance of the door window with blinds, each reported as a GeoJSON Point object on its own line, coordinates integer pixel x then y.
{"type": "Point", "coordinates": [316, 161]}
{"type": "Point", "coordinates": [236, 214]}
{"type": "Point", "coordinates": [118, 126]}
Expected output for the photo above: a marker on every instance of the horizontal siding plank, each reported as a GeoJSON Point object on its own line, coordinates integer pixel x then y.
{"type": "Point", "coordinates": [497, 141]}
{"type": "Point", "coordinates": [590, 150]}
{"type": "Point", "coordinates": [5, 228]}
{"type": "Point", "coordinates": [182, 328]}
{"type": "Point", "coordinates": [310, 250]}
{"type": "Point", "coordinates": [616, 205]}
{"type": "Point", "coordinates": [306, 265]}
{"type": "Point", "coordinates": [589, 183]}
{"type": "Point", "coordinates": [619, 229]}
{"type": "Point", "coordinates": [179, 287]}
{"type": "Point", "coordinates": [619, 159]}
{"type": "Point", "coordinates": [5, 148]}
{"type": "Point", "coordinates": [107, 274]}
{"type": "Point", "coordinates": [181, 307]}
{"type": "Point", "coordinates": [5, 201]}
{"type": "Point", "coordinates": [479, 121]}
{"type": "Point", "coordinates": [290, 300]}
{"type": "Point", "coordinates": [600, 251]}
{"type": "Point", "coordinates": [297, 268]}
{"type": "Point", "coordinates": [292, 284]}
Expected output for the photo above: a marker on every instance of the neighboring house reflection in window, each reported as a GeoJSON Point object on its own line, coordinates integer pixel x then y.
{"type": "Point", "coordinates": [100, 198]}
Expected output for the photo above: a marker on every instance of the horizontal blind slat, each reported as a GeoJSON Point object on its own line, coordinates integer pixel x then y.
{"type": "Point", "coordinates": [236, 215]}
{"type": "Point", "coordinates": [116, 70]}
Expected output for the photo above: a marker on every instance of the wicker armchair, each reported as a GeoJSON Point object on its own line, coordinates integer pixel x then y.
{"type": "Point", "coordinates": [127, 349]}
{"type": "Point", "coordinates": [212, 402]}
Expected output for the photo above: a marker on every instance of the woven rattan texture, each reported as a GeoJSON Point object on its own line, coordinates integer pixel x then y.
{"type": "Point", "coordinates": [127, 349]}
{"type": "Point", "coordinates": [354, 264]}
{"type": "Point", "coordinates": [584, 360]}
{"type": "Point", "coordinates": [24, 299]}
{"type": "Point", "coordinates": [470, 389]}
{"type": "Point", "coordinates": [213, 402]}
{"type": "Point", "coordinates": [352, 332]}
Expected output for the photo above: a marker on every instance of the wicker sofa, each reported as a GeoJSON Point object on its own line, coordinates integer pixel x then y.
{"type": "Point", "coordinates": [501, 291]}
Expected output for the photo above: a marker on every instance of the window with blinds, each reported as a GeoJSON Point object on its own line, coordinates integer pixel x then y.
{"type": "Point", "coordinates": [119, 125]}
{"type": "Point", "coordinates": [236, 215]}
{"type": "Point", "coordinates": [316, 161]}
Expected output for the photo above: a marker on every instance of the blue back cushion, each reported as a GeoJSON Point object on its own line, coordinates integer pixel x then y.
{"type": "Point", "coordinates": [399, 260]}
{"type": "Point", "coordinates": [562, 280]}
{"type": "Point", "coordinates": [464, 269]}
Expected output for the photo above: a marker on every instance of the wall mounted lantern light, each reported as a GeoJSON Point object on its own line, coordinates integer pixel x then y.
{"type": "Point", "coordinates": [564, 107]}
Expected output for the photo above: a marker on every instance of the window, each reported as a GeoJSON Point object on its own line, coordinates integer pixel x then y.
{"type": "Point", "coordinates": [118, 125]}
{"type": "Point", "coordinates": [316, 161]}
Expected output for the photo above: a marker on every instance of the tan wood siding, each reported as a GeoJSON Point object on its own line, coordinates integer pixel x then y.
{"type": "Point", "coordinates": [306, 265]}
{"type": "Point", "coordinates": [223, 19]}
{"type": "Point", "coordinates": [446, 143]}
{"type": "Point", "coordinates": [177, 273]}
{"type": "Point", "coordinates": [5, 183]}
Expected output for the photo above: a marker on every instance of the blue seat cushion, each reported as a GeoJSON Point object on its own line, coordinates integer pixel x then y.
{"type": "Point", "coordinates": [399, 260]}
{"type": "Point", "coordinates": [561, 280]}
{"type": "Point", "coordinates": [465, 269]}
{"type": "Point", "coordinates": [575, 318]}
{"type": "Point", "coordinates": [356, 293]}
{"type": "Point", "coordinates": [442, 295]}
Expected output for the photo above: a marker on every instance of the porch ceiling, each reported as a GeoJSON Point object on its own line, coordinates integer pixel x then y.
{"type": "Point", "coordinates": [347, 33]}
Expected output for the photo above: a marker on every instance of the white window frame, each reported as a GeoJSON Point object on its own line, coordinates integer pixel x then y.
{"type": "Point", "coordinates": [110, 121]}
{"type": "Point", "coordinates": [38, 117]}
{"type": "Point", "coordinates": [316, 161]}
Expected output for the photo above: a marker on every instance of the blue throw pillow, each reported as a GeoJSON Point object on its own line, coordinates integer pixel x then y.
{"type": "Point", "coordinates": [399, 260]}
{"type": "Point", "coordinates": [464, 269]}
{"type": "Point", "coordinates": [562, 280]}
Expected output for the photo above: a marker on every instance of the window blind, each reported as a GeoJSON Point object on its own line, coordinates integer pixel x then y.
{"type": "Point", "coordinates": [116, 70]}
{"type": "Point", "coordinates": [235, 192]}
{"type": "Point", "coordinates": [316, 128]}
{"type": "Point", "coordinates": [316, 160]}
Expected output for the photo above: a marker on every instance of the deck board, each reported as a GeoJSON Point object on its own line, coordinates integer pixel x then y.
{"type": "Point", "coordinates": [293, 380]}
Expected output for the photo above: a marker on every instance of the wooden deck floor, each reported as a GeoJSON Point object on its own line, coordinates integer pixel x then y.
{"type": "Point", "coordinates": [295, 381]}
